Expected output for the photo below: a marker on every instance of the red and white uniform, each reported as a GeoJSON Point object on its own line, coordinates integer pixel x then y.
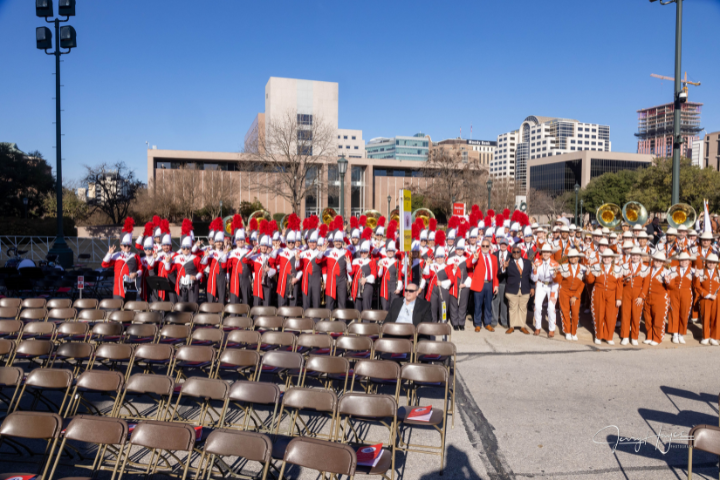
{"type": "Point", "coordinates": [218, 264]}
{"type": "Point", "coordinates": [187, 267]}
{"type": "Point", "coordinates": [286, 264]}
{"type": "Point", "coordinates": [119, 262]}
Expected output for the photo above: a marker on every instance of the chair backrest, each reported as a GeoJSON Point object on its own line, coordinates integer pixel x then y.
{"type": "Point", "coordinates": [179, 318]}
{"type": "Point", "coordinates": [10, 302]}
{"type": "Point", "coordinates": [174, 331]}
{"type": "Point", "coordinates": [73, 328]}
{"type": "Point", "coordinates": [114, 351]}
{"type": "Point", "coordinates": [365, 329]}
{"type": "Point", "coordinates": [148, 317]}
{"type": "Point", "coordinates": [316, 399]}
{"type": "Point", "coordinates": [319, 313]}
{"type": "Point", "coordinates": [309, 340]}
{"type": "Point", "coordinates": [160, 307]}
{"type": "Point", "coordinates": [251, 446]}
{"type": "Point", "coordinates": [393, 345]}
{"type": "Point", "coordinates": [263, 393]}
{"type": "Point", "coordinates": [234, 323]}
{"type": "Point", "coordinates": [97, 430]}
{"type": "Point", "coordinates": [212, 389]}
{"type": "Point", "coordinates": [239, 358]}
{"type": "Point", "coordinates": [6, 347]}
{"type": "Point", "coordinates": [207, 319]}
{"type": "Point", "coordinates": [288, 312]}
{"type": "Point", "coordinates": [77, 350]}
{"type": "Point", "coordinates": [327, 364]}
{"type": "Point", "coordinates": [36, 329]}
{"type": "Point", "coordinates": [434, 329]}
{"type": "Point", "coordinates": [377, 369]}
{"type": "Point", "coordinates": [148, 330]}
{"type": "Point", "coordinates": [36, 425]}
{"type": "Point", "coordinates": [110, 304]}
{"type": "Point", "coordinates": [121, 316]}
{"type": "Point", "coordinates": [195, 354]}
{"type": "Point", "coordinates": [34, 303]}
{"type": "Point", "coordinates": [61, 314]}
{"type": "Point", "coordinates": [321, 455]}
{"type": "Point", "coordinates": [10, 313]}
{"type": "Point", "coordinates": [298, 324]}
{"type": "Point", "coordinates": [366, 405]}
{"type": "Point", "coordinates": [10, 327]}
{"type": "Point", "coordinates": [353, 344]}
{"type": "Point", "coordinates": [243, 337]}
{"type": "Point", "coordinates": [406, 330]}
{"type": "Point", "coordinates": [280, 339]}
{"type": "Point", "coordinates": [289, 360]}
{"type": "Point", "coordinates": [33, 314]}
{"type": "Point", "coordinates": [136, 306]}
{"type": "Point", "coordinates": [424, 373]}
{"type": "Point", "coordinates": [211, 307]}
{"type": "Point", "coordinates": [101, 381]}
{"type": "Point", "coordinates": [346, 314]}
{"type": "Point", "coordinates": [107, 329]}
{"type": "Point", "coordinates": [150, 383]}
{"type": "Point", "coordinates": [435, 347]}
{"type": "Point", "coordinates": [10, 376]}
{"type": "Point", "coordinates": [85, 303]}
{"type": "Point", "coordinates": [377, 316]}
{"type": "Point", "coordinates": [265, 322]}
{"type": "Point", "coordinates": [164, 436]}
{"type": "Point", "coordinates": [154, 352]}
{"type": "Point", "coordinates": [262, 312]}
{"type": "Point", "coordinates": [330, 327]}
{"type": "Point", "coordinates": [49, 378]}
{"type": "Point", "coordinates": [91, 315]}
{"type": "Point", "coordinates": [58, 303]}
{"type": "Point", "coordinates": [238, 309]}
{"type": "Point", "coordinates": [190, 307]}
{"type": "Point", "coordinates": [705, 438]}
{"type": "Point", "coordinates": [213, 336]}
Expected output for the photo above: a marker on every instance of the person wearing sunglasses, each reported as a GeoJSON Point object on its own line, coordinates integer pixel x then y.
{"type": "Point", "coordinates": [125, 263]}
{"type": "Point", "coordinates": [411, 309]}
{"type": "Point", "coordinates": [484, 285]}
{"type": "Point", "coordinates": [188, 269]}
{"type": "Point", "coordinates": [519, 288]}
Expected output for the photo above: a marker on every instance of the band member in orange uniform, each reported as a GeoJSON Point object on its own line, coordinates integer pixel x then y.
{"type": "Point", "coordinates": [657, 300]}
{"type": "Point", "coordinates": [681, 297]}
{"type": "Point", "coordinates": [635, 285]}
{"type": "Point", "coordinates": [606, 296]}
{"type": "Point", "coordinates": [707, 284]}
{"type": "Point", "coordinates": [571, 279]}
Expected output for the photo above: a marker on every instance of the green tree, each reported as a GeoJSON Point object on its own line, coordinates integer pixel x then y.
{"type": "Point", "coordinates": [247, 208]}
{"type": "Point", "coordinates": [609, 188]}
{"type": "Point", "coordinates": [73, 206]}
{"type": "Point", "coordinates": [23, 176]}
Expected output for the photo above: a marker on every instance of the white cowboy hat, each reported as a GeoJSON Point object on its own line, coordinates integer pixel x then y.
{"type": "Point", "coordinates": [636, 251]}
{"type": "Point", "coordinates": [671, 231]}
{"type": "Point", "coordinates": [659, 256]}
{"type": "Point", "coordinates": [712, 258]}
{"type": "Point", "coordinates": [707, 236]}
{"type": "Point", "coordinates": [682, 256]}
{"type": "Point", "coordinates": [546, 248]}
{"type": "Point", "coordinates": [574, 253]}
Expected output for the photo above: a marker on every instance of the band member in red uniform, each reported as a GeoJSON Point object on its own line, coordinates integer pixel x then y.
{"type": "Point", "coordinates": [240, 273]}
{"type": "Point", "coordinates": [163, 254]}
{"type": "Point", "coordinates": [364, 273]}
{"type": "Point", "coordinates": [217, 258]}
{"type": "Point", "coordinates": [287, 261]}
{"type": "Point", "coordinates": [126, 264]}
{"type": "Point", "coordinates": [460, 290]}
{"type": "Point", "coordinates": [391, 283]}
{"type": "Point", "coordinates": [336, 261]}
{"type": "Point", "coordinates": [262, 272]}
{"type": "Point", "coordinates": [311, 273]}
{"type": "Point", "coordinates": [441, 278]}
{"type": "Point", "coordinates": [145, 243]}
{"type": "Point", "coordinates": [188, 270]}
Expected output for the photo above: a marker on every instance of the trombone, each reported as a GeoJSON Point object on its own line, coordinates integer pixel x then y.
{"type": "Point", "coordinates": [635, 213]}
{"type": "Point", "coordinates": [609, 215]}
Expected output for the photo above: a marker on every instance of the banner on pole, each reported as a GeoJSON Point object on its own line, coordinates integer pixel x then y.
{"type": "Point", "coordinates": [405, 220]}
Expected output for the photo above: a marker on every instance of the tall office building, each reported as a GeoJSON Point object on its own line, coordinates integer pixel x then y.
{"type": "Point", "coordinates": [656, 124]}
{"type": "Point", "coordinates": [399, 148]}
{"type": "Point", "coordinates": [478, 150]}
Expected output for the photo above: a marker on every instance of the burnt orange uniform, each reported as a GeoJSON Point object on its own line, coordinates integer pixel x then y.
{"type": "Point", "coordinates": [657, 303]}
{"type": "Point", "coordinates": [681, 299]}
{"type": "Point", "coordinates": [700, 255]}
{"type": "Point", "coordinates": [607, 290]}
{"type": "Point", "coordinates": [708, 283]}
{"type": "Point", "coordinates": [635, 285]}
{"type": "Point", "coordinates": [571, 280]}
{"type": "Point", "coordinates": [560, 249]}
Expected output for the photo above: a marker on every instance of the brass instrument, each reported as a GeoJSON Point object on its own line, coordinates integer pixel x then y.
{"type": "Point", "coordinates": [227, 222]}
{"type": "Point", "coordinates": [328, 215]}
{"type": "Point", "coordinates": [259, 214]}
{"type": "Point", "coordinates": [681, 214]}
{"type": "Point", "coordinates": [635, 213]}
{"type": "Point", "coordinates": [424, 213]}
{"type": "Point", "coordinates": [395, 215]}
{"type": "Point", "coordinates": [264, 278]}
{"type": "Point", "coordinates": [609, 215]}
{"type": "Point", "coordinates": [372, 218]}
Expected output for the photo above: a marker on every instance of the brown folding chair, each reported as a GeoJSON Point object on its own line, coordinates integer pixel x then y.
{"type": "Point", "coordinates": [100, 382]}
{"type": "Point", "coordinates": [43, 380]}
{"type": "Point", "coordinates": [106, 332]}
{"type": "Point", "coordinates": [317, 404]}
{"type": "Point", "coordinates": [39, 330]}
{"type": "Point", "coordinates": [33, 303]}
{"type": "Point", "coordinates": [107, 434]}
{"type": "Point", "coordinates": [248, 446]}
{"type": "Point", "coordinates": [334, 329]}
{"type": "Point", "coordinates": [206, 319]}
{"type": "Point", "coordinates": [398, 330]}
{"type": "Point", "coordinates": [148, 317]}
{"type": "Point", "coordinates": [264, 323]}
{"type": "Point", "coordinates": [347, 315]}
{"type": "Point", "coordinates": [314, 344]}
{"type": "Point", "coordinates": [188, 307]}
{"type": "Point", "coordinates": [371, 374]}
{"type": "Point", "coordinates": [76, 356]}
{"type": "Point", "coordinates": [179, 318]}
{"type": "Point", "coordinates": [136, 306]}
{"type": "Point", "coordinates": [284, 341]}
{"type": "Point", "coordinates": [236, 309]}
{"type": "Point", "coordinates": [365, 411]}
{"type": "Point", "coordinates": [208, 336]}
{"type": "Point", "coordinates": [374, 316]}
{"type": "Point", "coordinates": [10, 302]}
{"type": "Point", "coordinates": [124, 317]}
{"type": "Point", "coordinates": [430, 329]}
{"type": "Point", "coordinates": [395, 349]}
{"type": "Point", "coordinates": [32, 426]}
{"type": "Point", "coordinates": [247, 396]}
{"type": "Point", "coordinates": [10, 379]}
{"type": "Point", "coordinates": [174, 334]}
{"type": "Point", "coordinates": [420, 376]}
{"type": "Point", "coordinates": [11, 329]}
{"type": "Point", "coordinates": [208, 396]}
{"type": "Point", "coordinates": [441, 353]}
{"type": "Point", "coordinates": [160, 307]}
{"type": "Point", "coordinates": [141, 388]}
{"type": "Point", "coordinates": [237, 323]}
{"type": "Point", "coordinates": [192, 358]}
{"type": "Point", "coordinates": [81, 304]}
{"type": "Point", "coordinates": [320, 455]}
{"type": "Point", "coordinates": [91, 315]}
{"type": "Point", "coordinates": [151, 355]}
{"type": "Point", "coordinates": [247, 339]}
{"type": "Point", "coordinates": [207, 307]}
{"type": "Point", "coordinates": [371, 330]}
{"type": "Point", "coordinates": [114, 357]}
{"type": "Point", "coordinates": [72, 331]}
{"type": "Point", "coordinates": [354, 348]}
{"type": "Point", "coordinates": [156, 437]}
{"type": "Point", "coordinates": [9, 313]}
{"type": "Point", "coordinates": [262, 312]}
{"type": "Point", "coordinates": [7, 348]}
{"type": "Point", "coordinates": [326, 370]}
{"type": "Point", "coordinates": [705, 438]}
{"type": "Point", "coordinates": [58, 303]}
{"type": "Point", "coordinates": [37, 353]}
{"type": "Point", "coordinates": [28, 315]}
{"type": "Point", "coordinates": [244, 362]}
{"type": "Point", "coordinates": [318, 314]}
{"type": "Point", "coordinates": [298, 325]}
{"type": "Point", "coordinates": [289, 312]}
{"type": "Point", "coordinates": [140, 333]}
{"type": "Point", "coordinates": [281, 365]}
{"type": "Point", "coordinates": [111, 304]}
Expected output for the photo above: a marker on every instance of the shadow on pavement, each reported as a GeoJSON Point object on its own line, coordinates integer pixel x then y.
{"type": "Point", "coordinates": [457, 465]}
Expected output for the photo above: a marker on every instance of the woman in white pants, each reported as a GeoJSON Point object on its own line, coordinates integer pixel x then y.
{"type": "Point", "coordinates": [544, 269]}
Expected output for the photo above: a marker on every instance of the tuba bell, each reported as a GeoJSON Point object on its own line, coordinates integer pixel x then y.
{"type": "Point", "coordinates": [681, 214]}
{"type": "Point", "coordinates": [260, 214]}
{"type": "Point", "coordinates": [328, 215]}
{"type": "Point", "coordinates": [372, 217]}
{"type": "Point", "coordinates": [395, 215]}
{"type": "Point", "coordinates": [424, 213]}
{"type": "Point", "coordinates": [635, 213]}
{"type": "Point", "coordinates": [609, 215]}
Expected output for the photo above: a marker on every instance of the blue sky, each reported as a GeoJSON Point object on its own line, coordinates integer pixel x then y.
{"type": "Point", "coordinates": [191, 75]}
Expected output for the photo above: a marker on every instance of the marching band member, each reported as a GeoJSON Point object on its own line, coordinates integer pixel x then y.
{"type": "Point", "coordinates": [289, 275]}
{"type": "Point", "coordinates": [148, 265]}
{"type": "Point", "coordinates": [188, 271]}
{"type": "Point", "coordinates": [657, 300]}
{"type": "Point", "coordinates": [543, 275]}
{"type": "Point", "coordinates": [707, 284]}
{"type": "Point", "coordinates": [635, 286]}
{"type": "Point", "coordinates": [240, 272]}
{"type": "Point", "coordinates": [571, 277]}
{"type": "Point", "coordinates": [562, 245]}
{"type": "Point", "coordinates": [460, 290]}
{"type": "Point", "coordinates": [390, 273]}
{"type": "Point", "coordinates": [311, 273]}
{"type": "Point", "coordinates": [681, 297]}
{"type": "Point", "coordinates": [606, 279]}
{"type": "Point", "coordinates": [217, 274]}
{"type": "Point", "coordinates": [126, 265]}
{"type": "Point", "coordinates": [441, 278]}
{"type": "Point", "coordinates": [336, 261]}
{"type": "Point", "coordinates": [260, 261]}
{"type": "Point", "coordinates": [161, 256]}
{"type": "Point", "coordinates": [364, 272]}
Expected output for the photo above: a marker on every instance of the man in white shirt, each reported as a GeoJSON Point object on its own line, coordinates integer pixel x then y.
{"type": "Point", "coordinates": [410, 309]}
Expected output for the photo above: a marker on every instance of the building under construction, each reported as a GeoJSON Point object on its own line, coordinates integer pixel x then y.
{"type": "Point", "coordinates": [655, 129]}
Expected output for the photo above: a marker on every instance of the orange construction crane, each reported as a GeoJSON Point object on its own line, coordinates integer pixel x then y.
{"type": "Point", "coordinates": [685, 83]}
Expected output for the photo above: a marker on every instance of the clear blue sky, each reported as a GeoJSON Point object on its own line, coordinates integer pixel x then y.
{"type": "Point", "coordinates": [191, 75]}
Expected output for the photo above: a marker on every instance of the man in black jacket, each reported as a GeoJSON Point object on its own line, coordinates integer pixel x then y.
{"type": "Point", "coordinates": [518, 290]}
{"type": "Point", "coordinates": [653, 229]}
{"type": "Point", "coordinates": [411, 309]}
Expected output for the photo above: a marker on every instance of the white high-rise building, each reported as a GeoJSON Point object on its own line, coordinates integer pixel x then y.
{"type": "Point", "coordinates": [698, 154]}
{"type": "Point", "coordinates": [351, 143]}
{"type": "Point", "coordinates": [503, 163]}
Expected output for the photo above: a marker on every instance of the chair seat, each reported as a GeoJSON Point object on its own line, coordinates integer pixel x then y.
{"type": "Point", "coordinates": [436, 417]}
{"type": "Point", "coordinates": [193, 364]}
{"type": "Point", "coordinates": [382, 466]}
{"type": "Point", "coordinates": [432, 358]}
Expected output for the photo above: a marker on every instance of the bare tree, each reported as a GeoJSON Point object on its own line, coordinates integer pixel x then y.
{"type": "Point", "coordinates": [187, 192]}
{"type": "Point", "coordinates": [541, 204]}
{"type": "Point", "coordinates": [218, 187]}
{"type": "Point", "coordinates": [291, 151]}
{"type": "Point", "coordinates": [453, 177]}
{"type": "Point", "coordinates": [503, 193]}
{"type": "Point", "coordinates": [111, 189]}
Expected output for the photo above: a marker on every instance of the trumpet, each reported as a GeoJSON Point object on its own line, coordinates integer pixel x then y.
{"type": "Point", "coordinates": [681, 214]}
{"type": "Point", "coordinates": [608, 215]}
{"type": "Point", "coordinates": [635, 213]}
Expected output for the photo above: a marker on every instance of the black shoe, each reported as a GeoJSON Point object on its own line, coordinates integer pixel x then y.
{"type": "Point", "coordinates": [462, 327]}
{"type": "Point", "coordinates": [456, 328]}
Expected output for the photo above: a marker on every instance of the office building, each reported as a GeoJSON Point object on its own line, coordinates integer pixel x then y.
{"type": "Point", "coordinates": [473, 150]}
{"type": "Point", "coordinates": [711, 150]}
{"type": "Point", "coordinates": [399, 148]}
{"type": "Point", "coordinates": [655, 129]}
{"type": "Point", "coordinates": [557, 174]}
{"type": "Point", "coordinates": [697, 156]}
{"type": "Point", "coordinates": [350, 143]}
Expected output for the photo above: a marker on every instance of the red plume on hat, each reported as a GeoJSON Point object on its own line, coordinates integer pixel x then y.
{"type": "Point", "coordinates": [149, 226]}
{"type": "Point", "coordinates": [516, 216]}
{"type": "Point", "coordinates": [362, 221]}
{"type": "Point", "coordinates": [306, 223]}
{"type": "Point", "coordinates": [524, 219]}
{"type": "Point", "coordinates": [237, 223]}
{"type": "Point", "coordinates": [454, 222]}
{"type": "Point", "coordinates": [314, 221]}
{"type": "Point", "coordinates": [186, 227]}
{"type": "Point", "coordinates": [156, 221]}
{"type": "Point", "coordinates": [354, 222]}
{"type": "Point", "coordinates": [129, 224]}
{"type": "Point", "coordinates": [420, 223]}
{"type": "Point", "coordinates": [381, 222]}
{"type": "Point", "coordinates": [474, 208]}
{"type": "Point", "coordinates": [392, 228]}
{"type": "Point", "coordinates": [440, 238]}
{"type": "Point", "coordinates": [474, 219]}
{"type": "Point", "coordinates": [416, 231]}
{"type": "Point", "coordinates": [339, 223]}
{"type": "Point", "coordinates": [506, 213]}
{"type": "Point", "coordinates": [488, 221]}
{"type": "Point", "coordinates": [323, 230]}
{"type": "Point", "coordinates": [432, 224]}
{"type": "Point", "coordinates": [462, 229]}
{"type": "Point", "coordinates": [272, 227]}
{"type": "Point", "coordinates": [217, 225]}
{"type": "Point", "coordinates": [367, 233]}
{"type": "Point", "coordinates": [253, 224]}
{"type": "Point", "coordinates": [264, 227]}
{"type": "Point", "coordinates": [490, 213]}
{"type": "Point", "coordinates": [293, 222]}
{"type": "Point", "coordinates": [499, 220]}
{"type": "Point", "coordinates": [164, 226]}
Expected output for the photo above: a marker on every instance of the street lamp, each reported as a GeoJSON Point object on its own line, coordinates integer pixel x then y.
{"type": "Point", "coordinates": [25, 202]}
{"type": "Point", "coordinates": [342, 169]}
{"type": "Point", "coordinates": [489, 185]}
{"type": "Point", "coordinates": [677, 101]}
{"type": "Point", "coordinates": [581, 208]}
{"type": "Point", "coordinates": [65, 37]}
{"type": "Point", "coordinates": [389, 199]}
{"type": "Point", "coordinates": [577, 189]}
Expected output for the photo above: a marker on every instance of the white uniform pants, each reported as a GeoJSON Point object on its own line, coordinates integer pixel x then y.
{"type": "Point", "coordinates": [542, 291]}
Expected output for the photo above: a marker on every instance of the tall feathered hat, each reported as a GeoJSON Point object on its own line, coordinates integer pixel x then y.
{"type": "Point", "coordinates": [165, 231]}
{"type": "Point", "coordinates": [157, 232]}
{"type": "Point", "coordinates": [380, 228]}
{"type": "Point", "coordinates": [237, 227]}
{"type": "Point", "coordinates": [147, 234]}
{"type": "Point", "coordinates": [127, 232]}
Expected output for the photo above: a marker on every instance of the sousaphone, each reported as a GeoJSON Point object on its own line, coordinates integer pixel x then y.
{"type": "Point", "coordinates": [681, 214]}
{"type": "Point", "coordinates": [328, 215]}
{"type": "Point", "coordinates": [635, 213]}
{"type": "Point", "coordinates": [260, 214]}
{"type": "Point", "coordinates": [609, 215]}
{"type": "Point", "coordinates": [424, 213]}
{"type": "Point", "coordinates": [372, 218]}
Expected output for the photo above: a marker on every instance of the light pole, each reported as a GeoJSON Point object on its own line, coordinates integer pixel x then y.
{"type": "Point", "coordinates": [25, 203]}
{"type": "Point", "coordinates": [342, 169]}
{"type": "Point", "coordinates": [489, 185]}
{"type": "Point", "coordinates": [577, 189]}
{"type": "Point", "coordinates": [389, 199]}
{"type": "Point", "coordinates": [677, 101]}
{"type": "Point", "coordinates": [65, 37]}
{"type": "Point", "coordinates": [221, 209]}
{"type": "Point", "coordinates": [581, 214]}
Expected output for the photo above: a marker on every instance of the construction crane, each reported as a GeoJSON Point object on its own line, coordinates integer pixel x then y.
{"type": "Point", "coordinates": [685, 83]}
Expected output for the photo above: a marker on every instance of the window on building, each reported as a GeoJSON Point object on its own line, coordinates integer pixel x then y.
{"type": "Point", "coordinates": [303, 119]}
{"type": "Point", "coordinates": [353, 137]}
{"type": "Point", "coordinates": [356, 147]}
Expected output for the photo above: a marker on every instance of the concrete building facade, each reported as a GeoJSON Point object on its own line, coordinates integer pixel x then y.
{"type": "Point", "coordinates": [655, 128]}
{"type": "Point", "coordinates": [478, 150]}
{"type": "Point", "coordinates": [350, 143]}
{"type": "Point", "coordinates": [711, 150]}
